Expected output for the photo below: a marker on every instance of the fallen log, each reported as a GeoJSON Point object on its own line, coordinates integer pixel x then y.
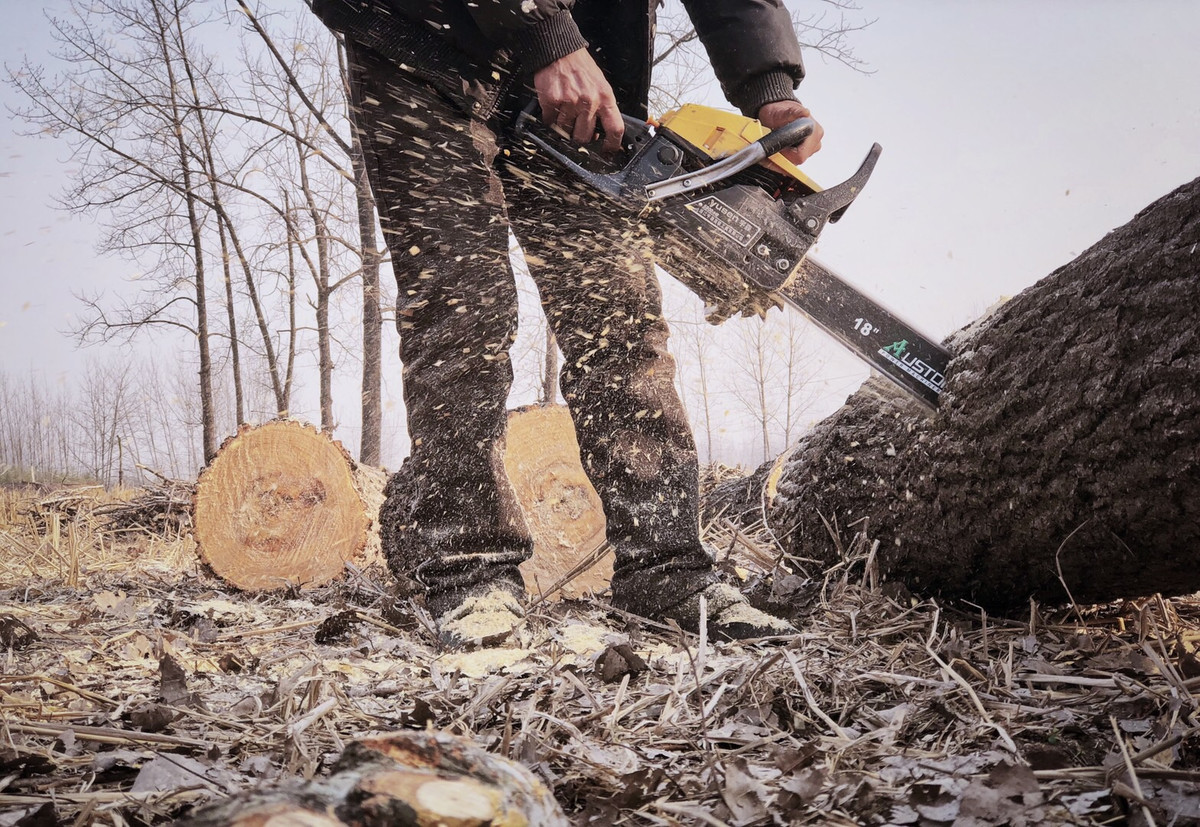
{"type": "Point", "coordinates": [1064, 461]}
{"type": "Point", "coordinates": [406, 779]}
{"type": "Point", "coordinates": [281, 504]}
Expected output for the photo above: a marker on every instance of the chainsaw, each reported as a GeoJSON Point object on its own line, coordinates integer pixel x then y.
{"type": "Point", "coordinates": [734, 221]}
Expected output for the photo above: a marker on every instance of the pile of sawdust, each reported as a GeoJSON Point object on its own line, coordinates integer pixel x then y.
{"type": "Point", "coordinates": [151, 686]}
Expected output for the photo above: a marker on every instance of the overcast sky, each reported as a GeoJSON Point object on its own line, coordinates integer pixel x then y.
{"type": "Point", "coordinates": [1015, 134]}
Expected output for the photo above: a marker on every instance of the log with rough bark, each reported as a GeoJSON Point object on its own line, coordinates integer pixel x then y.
{"type": "Point", "coordinates": [282, 505]}
{"type": "Point", "coordinates": [1064, 462]}
{"type": "Point", "coordinates": [416, 779]}
{"type": "Point", "coordinates": [561, 508]}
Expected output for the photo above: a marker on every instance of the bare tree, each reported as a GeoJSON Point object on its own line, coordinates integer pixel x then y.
{"type": "Point", "coordinates": [313, 99]}
{"type": "Point", "coordinates": [372, 312]}
{"type": "Point", "coordinates": [694, 354]}
{"type": "Point", "coordinates": [103, 421]}
{"type": "Point", "coordinates": [35, 432]}
{"type": "Point", "coordinates": [682, 69]}
{"type": "Point", "coordinates": [754, 381]}
{"type": "Point", "coordinates": [792, 341]}
{"type": "Point", "coordinates": [120, 108]}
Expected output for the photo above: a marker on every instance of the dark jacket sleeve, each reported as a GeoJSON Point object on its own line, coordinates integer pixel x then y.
{"type": "Point", "coordinates": [539, 32]}
{"type": "Point", "coordinates": [753, 49]}
{"type": "Point", "coordinates": [536, 32]}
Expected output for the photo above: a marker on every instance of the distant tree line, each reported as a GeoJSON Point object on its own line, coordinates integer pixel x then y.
{"type": "Point", "coordinates": [120, 423]}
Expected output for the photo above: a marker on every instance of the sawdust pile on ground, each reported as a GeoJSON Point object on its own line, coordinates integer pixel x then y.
{"type": "Point", "coordinates": [133, 685]}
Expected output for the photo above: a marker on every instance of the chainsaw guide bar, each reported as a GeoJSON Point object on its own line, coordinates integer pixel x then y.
{"type": "Point", "coordinates": [724, 208]}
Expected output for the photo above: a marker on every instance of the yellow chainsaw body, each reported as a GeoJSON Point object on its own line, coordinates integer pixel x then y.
{"type": "Point", "coordinates": [719, 134]}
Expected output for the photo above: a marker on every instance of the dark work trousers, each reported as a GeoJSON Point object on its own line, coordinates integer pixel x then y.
{"type": "Point", "coordinates": [446, 205]}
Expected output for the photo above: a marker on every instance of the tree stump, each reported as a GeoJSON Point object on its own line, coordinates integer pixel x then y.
{"type": "Point", "coordinates": [406, 779]}
{"type": "Point", "coordinates": [562, 509]}
{"type": "Point", "coordinates": [1064, 461]}
{"type": "Point", "coordinates": [280, 505]}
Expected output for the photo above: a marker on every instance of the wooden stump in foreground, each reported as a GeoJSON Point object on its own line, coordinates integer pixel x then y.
{"type": "Point", "coordinates": [279, 505]}
{"type": "Point", "coordinates": [562, 510]}
{"type": "Point", "coordinates": [404, 778]}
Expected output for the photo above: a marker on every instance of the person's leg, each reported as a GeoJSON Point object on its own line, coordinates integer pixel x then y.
{"type": "Point", "coordinates": [601, 296]}
{"type": "Point", "coordinates": [450, 514]}
{"type": "Point", "coordinates": [603, 301]}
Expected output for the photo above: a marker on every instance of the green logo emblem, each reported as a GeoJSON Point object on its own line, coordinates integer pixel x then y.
{"type": "Point", "coordinates": [897, 348]}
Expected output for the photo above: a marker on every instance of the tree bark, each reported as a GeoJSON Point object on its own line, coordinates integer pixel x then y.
{"type": "Point", "coordinates": [209, 167]}
{"type": "Point", "coordinates": [195, 223]}
{"type": "Point", "coordinates": [1064, 461]}
{"type": "Point", "coordinates": [372, 315]}
{"type": "Point", "coordinates": [406, 779]}
{"type": "Point", "coordinates": [550, 369]}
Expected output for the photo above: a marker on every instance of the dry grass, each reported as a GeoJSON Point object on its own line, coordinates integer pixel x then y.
{"type": "Point", "coordinates": [883, 710]}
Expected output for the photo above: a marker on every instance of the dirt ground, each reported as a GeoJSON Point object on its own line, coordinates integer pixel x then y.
{"type": "Point", "coordinates": [134, 685]}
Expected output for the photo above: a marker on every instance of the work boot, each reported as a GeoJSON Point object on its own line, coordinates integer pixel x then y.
{"type": "Point", "coordinates": [481, 620]}
{"type": "Point", "coordinates": [730, 615]}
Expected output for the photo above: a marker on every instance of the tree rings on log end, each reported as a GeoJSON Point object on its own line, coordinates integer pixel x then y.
{"type": "Point", "coordinates": [278, 507]}
{"type": "Point", "coordinates": [561, 508]}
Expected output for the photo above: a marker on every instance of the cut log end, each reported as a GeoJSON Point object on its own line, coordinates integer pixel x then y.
{"type": "Point", "coordinates": [277, 507]}
{"type": "Point", "coordinates": [561, 508]}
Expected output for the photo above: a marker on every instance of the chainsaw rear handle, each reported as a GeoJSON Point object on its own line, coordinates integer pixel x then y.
{"type": "Point", "coordinates": [614, 184]}
{"type": "Point", "coordinates": [786, 137]}
{"type": "Point", "coordinates": [777, 140]}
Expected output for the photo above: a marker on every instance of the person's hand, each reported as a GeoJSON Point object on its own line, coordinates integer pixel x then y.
{"type": "Point", "coordinates": [574, 94]}
{"type": "Point", "coordinates": [781, 113]}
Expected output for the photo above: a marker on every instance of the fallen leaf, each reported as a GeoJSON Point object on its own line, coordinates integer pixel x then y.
{"type": "Point", "coordinates": [138, 647]}
{"type": "Point", "coordinates": [805, 784]}
{"type": "Point", "coordinates": [120, 757]}
{"type": "Point", "coordinates": [14, 634]}
{"type": "Point", "coordinates": [618, 661]}
{"type": "Point", "coordinates": [1179, 801]}
{"type": "Point", "coordinates": [1089, 803]}
{"type": "Point", "coordinates": [336, 627]}
{"type": "Point", "coordinates": [172, 685]}
{"type": "Point", "coordinates": [152, 717]}
{"type": "Point", "coordinates": [937, 800]}
{"type": "Point", "coordinates": [421, 715]}
{"type": "Point", "coordinates": [33, 815]}
{"type": "Point", "coordinates": [117, 604]}
{"type": "Point", "coordinates": [166, 773]}
{"type": "Point", "coordinates": [236, 664]}
{"type": "Point", "coordinates": [745, 796]}
{"type": "Point", "coordinates": [106, 601]}
{"type": "Point", "coordinates": [1008, 795]}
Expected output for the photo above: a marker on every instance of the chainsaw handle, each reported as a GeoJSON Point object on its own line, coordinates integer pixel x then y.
{"type": "Point", "coordinates": [774, 141]}
{"type": "Point", "coordinates": [786, 137]}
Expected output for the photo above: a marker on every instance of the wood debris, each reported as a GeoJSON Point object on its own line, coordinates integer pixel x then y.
{"type": "Point", "coordinates": [151, 687]}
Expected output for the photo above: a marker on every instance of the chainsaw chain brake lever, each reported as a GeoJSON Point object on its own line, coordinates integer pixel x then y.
{"type": "Point", "coordinates": [777, 140]}
{"type": "Point", "coordinates": [813, 212]}
{"type": "Point", "coordinates": [611, 184]}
